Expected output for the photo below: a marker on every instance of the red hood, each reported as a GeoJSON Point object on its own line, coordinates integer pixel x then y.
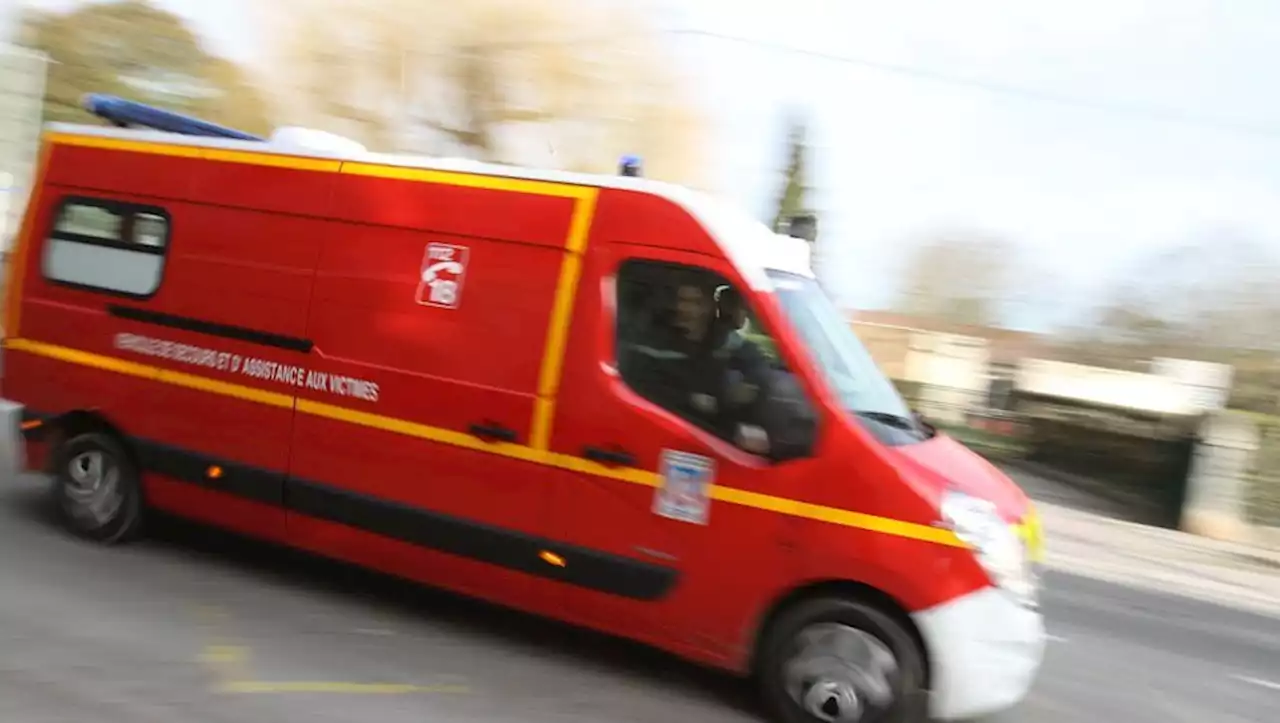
{"type": "Point", "coordinates": [941, 463]}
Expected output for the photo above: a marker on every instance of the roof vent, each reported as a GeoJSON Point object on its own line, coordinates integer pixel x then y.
{"type": "Point", "coordinates": [311, 139]}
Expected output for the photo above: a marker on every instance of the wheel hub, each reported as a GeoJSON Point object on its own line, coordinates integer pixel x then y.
{"type": "Point", "coordinates": [93, 489]}
{"type": "Point", "coordinates": [839, 674]}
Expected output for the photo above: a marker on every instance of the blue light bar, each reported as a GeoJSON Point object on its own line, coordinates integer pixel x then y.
{"type": "Point", "coordinates": [131, 114]}
{"type": "Point", "coordinates": [630, 165]}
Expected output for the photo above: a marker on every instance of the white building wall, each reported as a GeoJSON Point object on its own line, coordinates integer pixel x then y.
{"type": "Point", "coordinates": [1153, 393]}
{"type": "Point", "coordinates": [952, 371]}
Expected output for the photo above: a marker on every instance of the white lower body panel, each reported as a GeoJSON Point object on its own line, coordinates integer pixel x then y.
{"type": "Point", "coordinates": [985, 650]}
{"type": "Point", "coordinates": [12, 447]}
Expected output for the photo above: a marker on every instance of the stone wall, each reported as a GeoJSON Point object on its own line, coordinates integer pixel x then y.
{"type": "Point", "coordinates": [1233, 491]}
{"type": "Point", "coordinates": [1262, 494]}
{"type": "Point", "coordinates": [1216, 504]}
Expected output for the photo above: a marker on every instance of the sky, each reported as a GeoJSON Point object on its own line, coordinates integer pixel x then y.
{"type": "Point", "coordinates": [1123, 126]}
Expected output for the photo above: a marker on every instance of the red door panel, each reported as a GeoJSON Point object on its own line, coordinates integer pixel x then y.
{"type": "Point", "coordinates": [726, 565]}
{"type": "Point", "coordinates": [443, 369]}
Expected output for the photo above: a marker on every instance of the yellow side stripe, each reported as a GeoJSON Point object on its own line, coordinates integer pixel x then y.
{"type": "Point", "coordinates": [123, 144]}
{"type": "Point", "coordinates": [467, 180]}
{"type": "Point", "coordinates": [414, 429]}
{"type": "Point", "coordinates": [561, 316]}
{"type": "Point", "coordinates": [742, 498]}
{"type": "Point", "coordinates": [325, 165]}
{"type": "Point", "coordinates": [134, 369]}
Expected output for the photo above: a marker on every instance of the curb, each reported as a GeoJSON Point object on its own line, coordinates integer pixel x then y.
{"type": "Point", "coordinates": [1255, 554]}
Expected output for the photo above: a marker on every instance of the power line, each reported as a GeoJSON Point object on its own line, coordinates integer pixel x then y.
{"type": "Point", "coordinates": [1164, 115]}
{"type": "Point", "coordinates": [1133, 110]}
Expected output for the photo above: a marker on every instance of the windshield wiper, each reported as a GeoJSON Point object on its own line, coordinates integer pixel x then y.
{"type": "Point", "coordinates": [907, 424]}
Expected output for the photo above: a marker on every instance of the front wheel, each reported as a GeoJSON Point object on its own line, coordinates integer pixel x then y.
{"type": "Point", "coordinates": [96, 491]}
{"type": "Point", "coordinates": [834, 660]}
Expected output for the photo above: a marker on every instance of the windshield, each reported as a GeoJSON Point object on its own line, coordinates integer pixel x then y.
{"type": "Point", "coordinates": [848, 367]}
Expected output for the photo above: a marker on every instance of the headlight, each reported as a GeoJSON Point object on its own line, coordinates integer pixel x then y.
{"type": "Point", "coordinates": [996, 544]}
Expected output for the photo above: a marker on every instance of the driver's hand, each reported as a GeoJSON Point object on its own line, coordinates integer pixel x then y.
{"type": "Point", "coordinates": [752, 438]}
{"type": "Point", "coordinates": [704, 403]}
{"type": "Point", "coordinates": [743, 394]}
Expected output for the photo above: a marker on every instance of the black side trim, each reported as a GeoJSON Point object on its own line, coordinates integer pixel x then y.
{"type": "Point", "coordinates": [241, 480]}
{"type": "Point", "coordinates": [513, 550]}
{"type": "Point", "coordinates": [584, 567]}
{"type": "Point", "coordinates": [226, 331]}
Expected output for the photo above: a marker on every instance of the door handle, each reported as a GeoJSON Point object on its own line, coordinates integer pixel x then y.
{"type": "Point", "coordinates": [618, 457]}
{"type": "Point", "coordinates": [489, 430]}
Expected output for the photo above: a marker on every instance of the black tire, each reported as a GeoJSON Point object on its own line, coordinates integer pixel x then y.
{"type": "Point", "coordinates": [910, 700]}
{"type": "Point", "coordinates": [120, 520]}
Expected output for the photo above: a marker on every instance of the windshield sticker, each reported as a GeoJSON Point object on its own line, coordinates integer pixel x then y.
{"type": "Point", "coordinates": [685, 492]}
{"type": "Point", "coordinates": [444, 268]}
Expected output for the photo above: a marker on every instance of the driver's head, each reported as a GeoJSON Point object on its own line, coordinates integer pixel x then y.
{"type": "Point", "coordinates": [730, 308]}
{"type": "Point", "coordinates": [693, 310]}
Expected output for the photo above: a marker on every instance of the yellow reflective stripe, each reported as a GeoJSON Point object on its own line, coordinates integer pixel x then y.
{"type": "Point", "coordinates": [134, 369]}
{"type": "Point", "coordinates": [730, 495]}
{"type": "Point", "coordinates": [561, 317]}
{"type": "Point", "coordinates": [1032, 534]}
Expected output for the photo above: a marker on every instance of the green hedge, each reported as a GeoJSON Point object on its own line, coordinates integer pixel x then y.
{"type": "Point", "coordinates": [1139, 460]}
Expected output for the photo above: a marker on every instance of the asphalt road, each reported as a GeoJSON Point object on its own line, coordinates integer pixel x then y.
{"type": "Point", "coordinates": [144, 634]}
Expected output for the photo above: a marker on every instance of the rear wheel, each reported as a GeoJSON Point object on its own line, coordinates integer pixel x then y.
{"type": "Point", "coordinates": [96, 490]}
{"type": "Point", "coordinates": [834, 660]}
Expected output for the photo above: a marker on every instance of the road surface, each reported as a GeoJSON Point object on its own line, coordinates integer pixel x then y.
{"type": "Point", "coordinates": [145, 634]}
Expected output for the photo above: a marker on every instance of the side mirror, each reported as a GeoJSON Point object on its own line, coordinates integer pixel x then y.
{"type": "Point", "coordinates": [788, 419]}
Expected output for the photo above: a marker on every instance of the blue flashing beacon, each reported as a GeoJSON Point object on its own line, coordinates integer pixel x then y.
{"type": "Point", "coordinates": [630, 166]}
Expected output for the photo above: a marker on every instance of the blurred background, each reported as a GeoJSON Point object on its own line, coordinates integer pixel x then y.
{"type": "Point", "coordinates": [1055, 224]}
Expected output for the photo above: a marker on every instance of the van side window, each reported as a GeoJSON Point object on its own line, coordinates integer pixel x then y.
{"type": "Point", "coordinates": [688, 341]}
{"type": "Point", "coordinates": [107, 246]}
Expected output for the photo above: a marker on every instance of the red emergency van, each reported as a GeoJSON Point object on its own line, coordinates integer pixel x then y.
{"type": "Point", "coordinates": [612, 401]}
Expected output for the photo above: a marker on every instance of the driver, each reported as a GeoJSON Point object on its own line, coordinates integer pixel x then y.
{"type": "Point", "coordinates": [746, 369]}
{"type": "Point", "coordinates": [695, 339]}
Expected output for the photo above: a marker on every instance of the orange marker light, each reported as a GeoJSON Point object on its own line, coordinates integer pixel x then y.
{"type": "Point", "coordinates": [551, 558]}
{"type": "Point", "coordinates": [33, 424]}
{"type": "Point", "coordinates": [214, 472]}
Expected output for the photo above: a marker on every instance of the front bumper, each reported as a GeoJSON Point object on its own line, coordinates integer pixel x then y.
{"type": "Point", "coordinates": [985, 649]}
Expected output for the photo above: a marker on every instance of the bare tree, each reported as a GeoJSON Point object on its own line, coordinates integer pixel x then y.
{"type": "Point", "coordinates": [138, 50]}
{"type": "Point", "coordinates": [963, 279]}
{"type": "Point", "coordinates": [1213, 298]}
{"type": "Point", "coordinates": [1216, 292]}
{"type": "Point", "coordinates": [555, 82]}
